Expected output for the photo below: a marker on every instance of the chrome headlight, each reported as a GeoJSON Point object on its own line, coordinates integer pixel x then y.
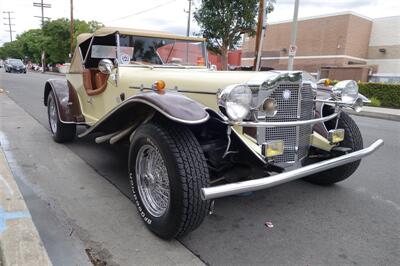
{"type": "Point", "coordinates": [346, 91]}
{"type": "Point", "coordinates": [236, 99]}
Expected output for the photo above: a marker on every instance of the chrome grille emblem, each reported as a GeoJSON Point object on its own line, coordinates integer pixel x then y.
{"type": "Point", "coordinates": [286, 94]}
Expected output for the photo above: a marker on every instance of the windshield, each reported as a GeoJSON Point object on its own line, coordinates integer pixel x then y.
{"type": "Point", "coordinates": [157, 51]}
{"type": "Point", "coordinates": [15, 62]}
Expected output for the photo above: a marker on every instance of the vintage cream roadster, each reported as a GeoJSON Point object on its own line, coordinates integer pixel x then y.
{"type": "Point", "coordinates": [197, 134]}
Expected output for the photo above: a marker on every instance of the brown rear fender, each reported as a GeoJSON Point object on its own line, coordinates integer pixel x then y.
{"type": "Point", "coordinates": [69, 110]}
{"type": "Point", "coordinates": [172, 105]}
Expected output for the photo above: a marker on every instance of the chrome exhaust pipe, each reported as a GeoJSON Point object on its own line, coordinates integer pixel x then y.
{"type": "Point", "coordinates": [271, 181]}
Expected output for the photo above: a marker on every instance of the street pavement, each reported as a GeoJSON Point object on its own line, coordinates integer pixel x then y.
{"type": "Point", "coordinates": [354, 222]}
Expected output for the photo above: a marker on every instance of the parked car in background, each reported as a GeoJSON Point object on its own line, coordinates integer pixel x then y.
{"type": "Point", "coordinates": [14, 65]}
{"type": "Point", "coordinates": [196, 134]}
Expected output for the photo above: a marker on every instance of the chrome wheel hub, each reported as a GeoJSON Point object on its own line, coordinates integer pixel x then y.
{"type": "Point", "coordinates": [152, 180]}
{"type": "Point", "coordinates": [52, 115]}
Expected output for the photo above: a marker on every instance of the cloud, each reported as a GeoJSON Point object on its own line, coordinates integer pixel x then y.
{"type": "Point", "coordinates": [171, 16]}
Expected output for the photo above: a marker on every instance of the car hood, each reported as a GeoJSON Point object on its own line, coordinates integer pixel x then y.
{"type": "Point", "coordinates": [199, 80]}
{"type": "Point", "coordinates": [16, 65]}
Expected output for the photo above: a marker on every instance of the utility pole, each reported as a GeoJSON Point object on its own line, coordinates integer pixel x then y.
{"type": "Point", "coordinates": [188, 22]}
{"type": "Point", "coordinates": [71, 28]}
{"type": "Point", "coordinates": [293, 48]}
{"type": "Point", "coordinates": [261, 9]}
{"type": "Point", "coordinates": [42, 17]}
{"type": "Point", "coordinates": [9, 24]}
{"type": "Point", "coordinates": [261, 37]}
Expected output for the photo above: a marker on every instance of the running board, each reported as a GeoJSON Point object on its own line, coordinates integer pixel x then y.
{"type": "Point", "coordinates": [271, 181]}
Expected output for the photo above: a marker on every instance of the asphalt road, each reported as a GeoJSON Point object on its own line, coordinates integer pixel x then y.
{"type": "Point", "coordinates": [354, 222]}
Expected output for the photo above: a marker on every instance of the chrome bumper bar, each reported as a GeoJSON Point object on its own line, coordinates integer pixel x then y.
{"type": "Point", "coordinates": [285, 124]}
{"type": "Point", "coordinates": [271, 181]}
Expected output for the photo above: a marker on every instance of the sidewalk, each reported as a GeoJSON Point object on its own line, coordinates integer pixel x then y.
{"type": "Point", "coordinates": [20, 243]}
{"type": "Point", "coordinates": [81, 215]}
{"type": "Point", "coordinates": [49, 73]}
{"type": "Point", "coordinates": [378, 112]}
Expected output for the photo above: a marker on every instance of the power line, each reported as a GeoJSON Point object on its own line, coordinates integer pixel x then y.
{"type": "Point", "coordinates": [9, 24]}
{"type": "Point", "coordinates": [143, 11]}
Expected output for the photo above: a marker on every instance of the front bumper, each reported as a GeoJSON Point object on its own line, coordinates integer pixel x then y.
{"type": "Point", "coordinates": [17, 70]}
{"type": "Point", "coordinates": [271, 181]}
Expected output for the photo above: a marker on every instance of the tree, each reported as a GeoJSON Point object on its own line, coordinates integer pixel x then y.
{"type": "Point", "coordinates": [54, 38]}
{"type": "Point", "coordinates": [12, 50]}
{"type": "Point", "coordinates": [223, 22]}
{"type": "Point", "coordinates": [31, 44]}
{"type": "Point", "coordinates": [57, 37]}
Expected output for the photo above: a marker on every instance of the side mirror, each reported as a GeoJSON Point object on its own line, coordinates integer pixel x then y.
{"type": "Point", "coordinates": [106, 66]}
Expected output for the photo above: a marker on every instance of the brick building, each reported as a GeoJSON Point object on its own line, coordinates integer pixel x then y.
{"type": "Point", "coordinates": [336, 44]}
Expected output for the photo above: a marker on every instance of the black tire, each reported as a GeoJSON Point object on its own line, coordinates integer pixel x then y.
{"type": "Point", "coordinates": [187, 174]}
{"type": "Point", "coordinates": [61, 132]}
{"type": "Point", "coordinates": [353, 140]}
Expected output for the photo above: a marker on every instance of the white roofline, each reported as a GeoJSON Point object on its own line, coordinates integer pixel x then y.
{"type": "Point", "coordinates": [324, 16]}
{"type": "Point", "coordinates": [380, 18]}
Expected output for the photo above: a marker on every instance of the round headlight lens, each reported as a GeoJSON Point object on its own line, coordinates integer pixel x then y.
{"type": "Point", "coordinates": [237, 102]}
{"type": "Point", "coordinates": [347, 90]}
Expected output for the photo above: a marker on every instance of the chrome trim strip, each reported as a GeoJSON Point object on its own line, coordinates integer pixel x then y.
{"type": "Point", "coordinates": [271, 181]}
{"type": "Point", "coordinates": [149, 104]}
{"type": "Point", "coordinates": [176, 90]}
{"type": "Point", "coordinates": [165, 66]}
{"type": "Point", "coordinates": [284, 124]}
{"type": "Point", "coordinates": [87, 52]}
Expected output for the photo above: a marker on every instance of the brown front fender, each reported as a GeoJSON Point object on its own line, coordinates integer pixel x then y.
{"type": "Point", "coordinates": [67, 100]}
{"type": "Point", "coordinates": [172, 105]}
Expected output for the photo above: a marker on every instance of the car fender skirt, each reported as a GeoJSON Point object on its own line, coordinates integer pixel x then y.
{"type": "Point", "coordinates": [172, 105]}
{"type": "Point", "coordinates": [69, 110]}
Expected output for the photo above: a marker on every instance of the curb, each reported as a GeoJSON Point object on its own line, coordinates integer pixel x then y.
{"type": "Point", "coordinates": [20, 243]}
{"type": "Point", "coordinates": [391, 117]}
{"type": "Point", "coordinates": [48, 73]}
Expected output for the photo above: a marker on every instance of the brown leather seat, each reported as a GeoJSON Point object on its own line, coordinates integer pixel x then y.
{"type": "Point", "coordinates": [94, 81]}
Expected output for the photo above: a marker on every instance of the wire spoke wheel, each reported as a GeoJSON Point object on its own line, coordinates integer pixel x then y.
{"type": "Point", "coordinates": [61, 132]}
{"type": "Point", "coordinates": [167, 169]}
{"type": "Point", "coordinates": [52, 115]}
{"type": "Point", "coordinates": [152, 180]}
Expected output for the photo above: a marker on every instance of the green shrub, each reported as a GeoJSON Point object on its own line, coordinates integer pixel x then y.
{"type": "Point", "coordinates": [387, 94]}
{"type": "Point", "coordinates": [375, 102]}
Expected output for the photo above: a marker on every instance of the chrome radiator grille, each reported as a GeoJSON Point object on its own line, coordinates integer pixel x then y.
{"type": "Point", "coordinates": [298, 106]}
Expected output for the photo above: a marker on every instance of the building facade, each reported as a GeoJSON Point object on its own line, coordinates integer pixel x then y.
{"type": "Point", "coordinates": [342, 40]}
{"type": "Point", "coordinates": [384, 49]}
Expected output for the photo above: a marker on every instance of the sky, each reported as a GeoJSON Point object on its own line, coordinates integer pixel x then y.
{"type": "Point", "coordinates": [170, 15]}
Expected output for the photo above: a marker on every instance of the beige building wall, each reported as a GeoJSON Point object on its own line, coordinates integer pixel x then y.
{"type": "Point", "coordinates": [384, 48]}
{"type": "Point", "coordinates": [337, 39]}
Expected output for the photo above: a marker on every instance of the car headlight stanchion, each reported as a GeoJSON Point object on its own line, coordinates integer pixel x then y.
{"type": "Point", "coordinates": [236, 100]}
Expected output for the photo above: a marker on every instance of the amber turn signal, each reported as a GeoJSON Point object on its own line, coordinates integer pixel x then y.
{"type": "Point", "coordinates": [159, 85]}
{"type": "Point", "coordinates": [273, 148]}
{"type": "Point", "coordinates": [336, 135]}
{"type": "Point", "coordinates": [327, 82]}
